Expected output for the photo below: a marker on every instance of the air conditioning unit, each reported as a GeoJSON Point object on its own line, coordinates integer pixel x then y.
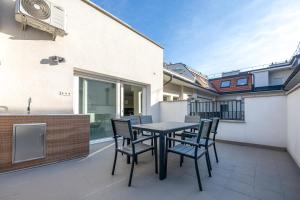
{"type": "Point", "coordinates": [43, 15]}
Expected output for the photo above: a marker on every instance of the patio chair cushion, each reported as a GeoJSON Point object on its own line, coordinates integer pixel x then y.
{"type": "Point", "coordinates": [139, 148]}
{"type": "Point", "coordinates": [186, 150]}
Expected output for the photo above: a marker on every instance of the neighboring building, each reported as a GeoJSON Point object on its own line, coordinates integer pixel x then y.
{"type": "Point", "coordinates": [233, 82]}
{"type": "Point", "coordinates": [232, 90]}
{"type": "Point", "coordinates": [103, 67]}
{"type": "Point", "coordinates": [225, 96]}
{"type": "Point", "coordinates": [274, 76]}
{"type": "Point", "coordinates": [264, 79]}
{"type": "Point", "coordinates": [183, 83]}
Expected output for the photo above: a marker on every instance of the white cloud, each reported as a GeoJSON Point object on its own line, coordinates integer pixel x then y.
{"type": "Point", "coordinates": [260, 35]}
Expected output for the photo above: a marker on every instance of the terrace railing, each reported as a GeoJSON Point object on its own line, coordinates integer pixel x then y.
{"type": "Point", "coordinates": [225, 110]}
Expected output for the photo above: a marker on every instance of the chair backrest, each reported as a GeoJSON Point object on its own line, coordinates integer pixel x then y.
{"type": "Point", "coordinates": [204, 129]}
{"type": "Point", "coordinates": [214, 127]}
{"type": "Point", "coordinates": [134, 119]}
{"type": "Point", "coordinates": [192, 119]}
{"type": "Point", "coordinates": [122, 128]}
{"type": "Point", "coordinates": [215, 124]}
{"type": "Point", "coordinates": [146, 119]}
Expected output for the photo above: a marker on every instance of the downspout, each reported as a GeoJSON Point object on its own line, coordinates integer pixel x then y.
{"type": "Point", "coordinates": [169, 81]}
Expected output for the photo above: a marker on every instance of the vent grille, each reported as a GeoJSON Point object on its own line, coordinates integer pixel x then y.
{"type": "Point", "coordinates": [37, 8]}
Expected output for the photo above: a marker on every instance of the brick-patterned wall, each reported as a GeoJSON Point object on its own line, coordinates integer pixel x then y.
{"type": "Point", "coordinates": [67, 137]}
{"type": "Point", "coordinates": [233, 88]}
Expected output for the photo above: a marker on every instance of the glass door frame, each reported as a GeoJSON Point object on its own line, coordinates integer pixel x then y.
{"type": "Point", "coordinates": [76, 91]}
{"type": "Point", "coordinates": [119, 96]}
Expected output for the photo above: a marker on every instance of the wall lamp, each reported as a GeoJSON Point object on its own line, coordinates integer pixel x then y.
{"type": "Point", "coordinates": [57, 59]}
{"type": "Point", "coordinates": [53, 60]}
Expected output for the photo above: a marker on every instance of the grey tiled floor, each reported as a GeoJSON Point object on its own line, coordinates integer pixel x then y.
{"type": "Point", "coordinates": [243, 173]}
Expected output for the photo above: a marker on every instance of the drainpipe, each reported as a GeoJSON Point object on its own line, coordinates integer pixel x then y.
{"type": "Point", "coordinates": [181, 93]}
{"type": "Point", "coordinates": [169, 81]}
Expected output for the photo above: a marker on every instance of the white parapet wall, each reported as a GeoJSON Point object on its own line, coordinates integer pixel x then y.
{"type": "Point", "coordinates": [293, 124]}
{"type": "Point", "coordinates": [265, 122]}
{"type": "Point", "coordinates": [173, 111]}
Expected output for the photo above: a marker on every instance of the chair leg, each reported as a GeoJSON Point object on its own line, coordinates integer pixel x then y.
{"type": "Point", "coordinates": [208, 157]}
{"type": "Point", "coordinates": [155, 156]}
{"type": "Point", "coordinates": [128, 157]}
{"type": "Point", "coordinates": [198, 175]}
{"type": "Point", "coordinates": [131, 172]}
{"type": "Point", "coordinates": [166, 162]}
{"type": "Point", "coordinates": [207, 164]}
{"type": "Point", "coordinates": [136, 159]}
{"type": "Point", "coordinates": [135, 133]}
{"type": "Point", "coordinates": [123, 144]}
{"type": "Point", "coordinates": [174, 136]}
{"type": "Point", "coordinates": [181, 157]}
{"type": "Point", "coordinates": [114, 165]}
{"type": "Point", "coordinates": [170, 142]}
{"type": "Point", "coordinates": [181, 161]}
{"type": "Point", "coordinates": [152, 151]}
{"type": "Point", "coordinates": [216, 152]}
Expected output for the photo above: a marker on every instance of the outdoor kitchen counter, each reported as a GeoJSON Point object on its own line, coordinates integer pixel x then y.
{"type": "Point", "coordinates": [67, 137]}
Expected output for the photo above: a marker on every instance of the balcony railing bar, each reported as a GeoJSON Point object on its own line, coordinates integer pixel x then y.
{"type": "Point", "coordinates": [226, 110]}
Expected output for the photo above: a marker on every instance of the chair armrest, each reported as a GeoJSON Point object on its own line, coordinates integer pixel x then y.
{"type": "Point", "coordinates": [183, 141]}
{"type": "Point", "coordinates": [204, 138]}
{"type": "Point", "coordinates": [187, 133]}
{"type": "Point", "coordinates": [143, 139]}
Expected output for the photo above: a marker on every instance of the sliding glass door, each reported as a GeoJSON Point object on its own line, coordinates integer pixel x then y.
{"type": "Point", "coordinates": [98, 99]}
{"type": "Point", "coordinates": [132, 97]}
{"type": "Point", "coordinates": [104, 100]}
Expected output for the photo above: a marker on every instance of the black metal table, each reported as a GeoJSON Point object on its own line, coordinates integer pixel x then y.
{"type": "Point", "coordinates": [163, 129]}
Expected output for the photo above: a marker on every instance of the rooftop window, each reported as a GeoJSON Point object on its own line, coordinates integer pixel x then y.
{"type": "Point", "coordinates": [242, 82]}
{"type": "Point", "coordinates": [225, 84]}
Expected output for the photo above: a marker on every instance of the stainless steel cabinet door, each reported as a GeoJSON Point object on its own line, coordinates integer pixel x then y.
{"type": "Point", "coordinates": [29, 142]}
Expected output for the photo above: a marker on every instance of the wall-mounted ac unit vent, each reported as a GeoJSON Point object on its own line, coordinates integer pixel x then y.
{"type": "Point", "coordinates": [43, 15]}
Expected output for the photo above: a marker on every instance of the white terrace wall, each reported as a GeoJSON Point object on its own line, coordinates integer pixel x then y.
{"type": "Point", "coordinates": [265, 120]}
{"type": "Point", "coordinates": [173, 110]}
{"type": "Point", "coordinates": [293, 124]}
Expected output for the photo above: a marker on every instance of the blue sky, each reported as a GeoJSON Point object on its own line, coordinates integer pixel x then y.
{"type": "Point", "coordinates": [215, 36]}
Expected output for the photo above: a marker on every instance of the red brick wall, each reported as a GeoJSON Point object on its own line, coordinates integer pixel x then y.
{"type": "Point", "coordinates": [233, 87]}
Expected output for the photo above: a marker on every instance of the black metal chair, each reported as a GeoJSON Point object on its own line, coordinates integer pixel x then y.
{"type": "Point", "coordinates": [212, 141]}
{"type": "Point", "coordinates": [188, 119]}
{"type": "Point", "coordinates": [193, 149]}
{"type": "Point", "coordinates": [122, 128]}
{"type": "Point", "coordinates": [135, 120]}
{"type": "Point", "coordinates": [206, 142]}
{"type": "Point", "coordinates": [192, 119]}
{"type": "Point", "coordinates": [147, 119]}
